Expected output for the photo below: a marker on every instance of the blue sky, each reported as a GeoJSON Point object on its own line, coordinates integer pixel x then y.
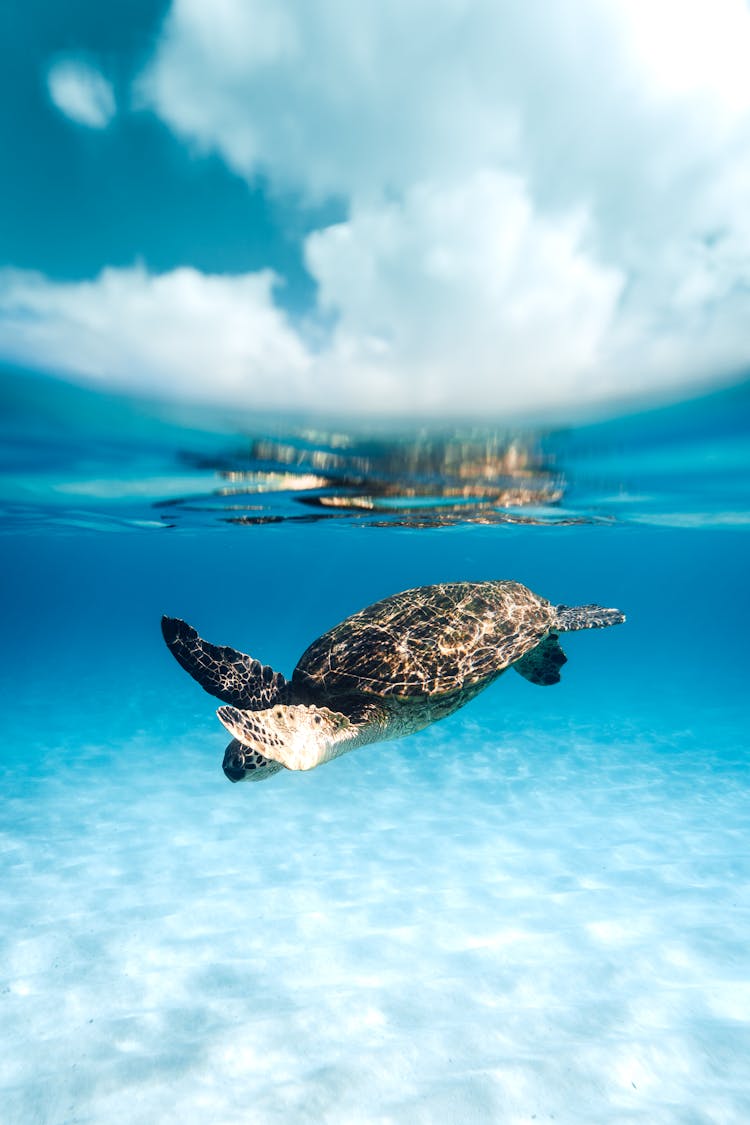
{"type": "Point", "coordinates": [74, 199]}
{"type": "Point", "coordinates": [426, 208]}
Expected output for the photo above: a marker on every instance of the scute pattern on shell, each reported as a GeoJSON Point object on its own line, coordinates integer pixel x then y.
{"type": "Point", "coordinates": [431, 640]}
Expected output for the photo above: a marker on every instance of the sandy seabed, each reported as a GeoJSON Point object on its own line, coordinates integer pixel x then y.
{"type": "Point", "coordinates": [439, 930]}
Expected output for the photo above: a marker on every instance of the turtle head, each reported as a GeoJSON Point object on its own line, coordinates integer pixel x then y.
{"type": "Point", "coordinates": [243, 764]}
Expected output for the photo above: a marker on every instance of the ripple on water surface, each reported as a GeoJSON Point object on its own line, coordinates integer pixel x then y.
{"type": "Point", "coordinates": [77, 460]}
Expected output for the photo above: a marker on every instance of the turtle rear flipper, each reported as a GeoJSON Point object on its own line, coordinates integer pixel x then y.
{"type": "Point", "coordinates": [231, 676]}
{"type": "Point", "coordinates": [542, 665]}
{"type": "Point", "coordinates": [569, 617]}
{"type": "Point", "coordinates": [297, 736]}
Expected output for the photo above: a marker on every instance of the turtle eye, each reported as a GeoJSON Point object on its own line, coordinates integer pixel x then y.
{"type": "Point", "coordinates": [234, 767]}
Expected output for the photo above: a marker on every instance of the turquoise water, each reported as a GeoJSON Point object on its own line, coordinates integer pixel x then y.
{"type": "Point", "coordinates": [537, 909]}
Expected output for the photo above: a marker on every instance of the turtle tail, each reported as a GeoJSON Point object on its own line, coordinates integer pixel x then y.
{"type": "Point", "coordinates": [586, 617]}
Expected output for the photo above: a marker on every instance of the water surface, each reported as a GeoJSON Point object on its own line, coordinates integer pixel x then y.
{"type": "Point", "coordinates": [537, 909]}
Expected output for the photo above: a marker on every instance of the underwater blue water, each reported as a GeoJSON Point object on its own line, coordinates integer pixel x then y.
{"type": "Point", "coordinates": [537, 909]}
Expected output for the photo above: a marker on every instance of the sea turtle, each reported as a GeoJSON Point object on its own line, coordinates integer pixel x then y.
{"type": "Point", "coordinates": [387, 671]}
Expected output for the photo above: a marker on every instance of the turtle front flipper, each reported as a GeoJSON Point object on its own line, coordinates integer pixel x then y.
{"type": "Point", "coordinates": [231, 676]}
{"type": "Point", "coordinates": [297, 736]}
{"type": "Point", "coordinates": [542, 665]}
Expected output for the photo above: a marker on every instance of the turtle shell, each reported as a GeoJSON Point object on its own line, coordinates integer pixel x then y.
{"type": "Point", "coordinates": [432, 640]}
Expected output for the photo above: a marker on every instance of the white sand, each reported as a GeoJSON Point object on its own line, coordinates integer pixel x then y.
{"type": "Point", "coordinates": [439, 931]}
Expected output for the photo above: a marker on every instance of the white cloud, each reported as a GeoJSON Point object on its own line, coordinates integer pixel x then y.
{"type": "Point", "coordinates": [357, 99]}
{"type": "Point", "coordinates": [181, 333]}
{"type": "Point", "coordinates": [332, 98]}
{"type": "Point", "coordinates": [693, 47]}
{"type": "Point", "coordinates": [81, 92]}
{"type": "Point", "coordinates": [545, 204]}
{"type": "Point", "coordinates": [463, 295]}
{"type": "Point", "coordinates": [458, 302]}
